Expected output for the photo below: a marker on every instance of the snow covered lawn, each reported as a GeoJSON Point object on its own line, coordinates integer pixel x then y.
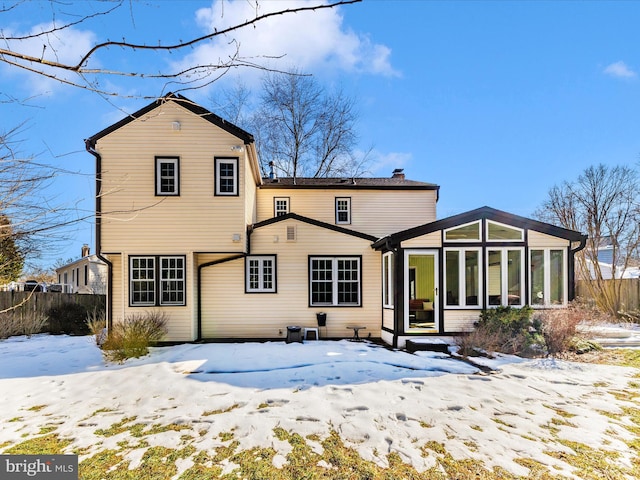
{"type": "Point", "coordinates": [192, 411]}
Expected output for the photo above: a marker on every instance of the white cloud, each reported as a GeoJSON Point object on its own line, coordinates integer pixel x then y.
{"type": "Point", "coordinates": [65, 47]}
{"type": "Point", "coordinates": [310, 41]}
{"type": "Point", "coordinates": [382, 164]}
{"type": "Point", "coordinates": [619, 70]}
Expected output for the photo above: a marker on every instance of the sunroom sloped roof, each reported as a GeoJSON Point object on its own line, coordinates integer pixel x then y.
{"type": "Point", "coordinates": [482, 213]}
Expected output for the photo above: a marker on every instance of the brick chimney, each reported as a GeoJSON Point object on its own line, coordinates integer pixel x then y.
{"type": "Point", "coordinates": [398, 173]}
{"type": "Point", "coordinates": [85, 250]}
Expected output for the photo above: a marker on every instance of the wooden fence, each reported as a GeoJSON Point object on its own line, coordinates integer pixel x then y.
{"type": "Point", "coordinates": [629, 292]}
{"type": "Point", "coordinates": [42, 302]}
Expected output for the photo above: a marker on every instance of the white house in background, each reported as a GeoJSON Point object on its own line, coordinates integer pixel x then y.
{"type": "Point", "coordinates": [86, 275]}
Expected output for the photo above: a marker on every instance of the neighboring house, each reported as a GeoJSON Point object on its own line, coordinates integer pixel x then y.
{"type": "Point", "coordinates": [86, 275]}
{"type": "Point", "coordinates": [188, 226]}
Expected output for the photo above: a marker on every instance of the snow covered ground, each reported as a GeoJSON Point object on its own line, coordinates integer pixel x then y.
{"type": "Point", "coordinates": [378, 400]}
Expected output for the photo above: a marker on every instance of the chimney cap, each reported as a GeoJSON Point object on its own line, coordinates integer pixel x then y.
{"type": "Point", "coordinates": [398, 173]}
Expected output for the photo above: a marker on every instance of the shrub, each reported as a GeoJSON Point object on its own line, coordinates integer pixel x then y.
{"type": "Point", "coordinates": [97, 324]}
{"type": "Point", "coordinates": [132, 337]}
{"type": "Point", "coordinates": [511, 330]}
{"type": "Point", "coordinates": [559, 328]}
{"type": "Point", "coordinates": [22, 321]}
{"type": "Point", "coordinates": [477, 342]}
{"type": "Point", "coordinates": [69, 318]}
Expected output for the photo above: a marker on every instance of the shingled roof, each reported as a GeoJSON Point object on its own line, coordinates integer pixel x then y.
{"type": "Point", "coordinates": [350, 183]}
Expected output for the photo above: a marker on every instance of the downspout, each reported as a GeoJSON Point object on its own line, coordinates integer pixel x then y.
{"type": "Point", "coordinates": [89, 145]}
{"type": "Point", "coordinates": [572, 267]}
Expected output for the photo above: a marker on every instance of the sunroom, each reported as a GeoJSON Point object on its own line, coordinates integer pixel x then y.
{"type": "Point", "coordinates": [438, 277]}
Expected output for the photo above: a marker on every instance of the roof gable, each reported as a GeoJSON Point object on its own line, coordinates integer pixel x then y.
{"type": "Point", "coordinates": [183, 102]}
{"type": "Point", "coordinates": [482, 213]}
{"type": "Point", "coordinates": [317, 223]}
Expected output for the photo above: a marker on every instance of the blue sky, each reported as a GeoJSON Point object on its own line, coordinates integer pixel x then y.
{"type": "Point", "coordinates": [494, 101]}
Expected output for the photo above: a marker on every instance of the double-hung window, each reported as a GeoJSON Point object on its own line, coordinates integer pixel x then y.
{"type": "Point", "coordinates": [334, 281]}
{"type": "Point", "coordinates": [260, 274]}
{"type": "Point", "coordinates": [157, 280]}
{"type": "Point", "coordinates": [343, 210]}
{"type": "Point", "coordinates": [463, 267]}
{"type": "Point", "coordinates": [226, 172]}
{"type": "Point", "coordinates": [167, 176]}
{"type": "Point", "coordinates": [547, 277]}
{"type": "Point", "coordinates": [280, 206]}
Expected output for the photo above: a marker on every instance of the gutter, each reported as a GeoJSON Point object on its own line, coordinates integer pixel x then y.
{"type": "Point", "coordinates": [90, 147]}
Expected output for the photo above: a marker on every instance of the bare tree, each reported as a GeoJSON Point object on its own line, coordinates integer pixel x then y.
{"type": "Point", "coordinates": [34, 221]}
{"type": "Point", "coordinates": [602, 202]}
{"type": "Point", "coordinates": [97, 63]}
{"type": "Point", "coordinates": [304, 130]}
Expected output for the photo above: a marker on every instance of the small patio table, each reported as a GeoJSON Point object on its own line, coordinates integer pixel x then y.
{"type": "Point", "coordinates": [356, 329]}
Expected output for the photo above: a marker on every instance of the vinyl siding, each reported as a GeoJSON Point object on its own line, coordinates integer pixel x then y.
{"type": "Point", "coordinates": [387, 318]}
{"type": "Point", "coordinates": [539, 240]}
{"type": "Point", "coordinates": [430, 240]}
{"type": "Point", "coordinates": [460, 320]}
{"type": "Point", "coordinates": [136, 220]}
{"type": "Point", "coordinates": [377, 212]}
{"type": "Point", "coordinates": [229, 312]}
{"type": "Point", "coordinates": [181, 319]}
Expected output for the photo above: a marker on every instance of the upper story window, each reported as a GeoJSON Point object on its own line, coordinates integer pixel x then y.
{"type": "Point", "coordinates": [499, 232]}
{"type": "Point", "coordinates": [167, 176]}
{"type": "Point", "coordinates": [280, 206]}
{"type": "Point", "coordinates": [226, 171]}
{"type": "Point", "coordinates": [464, 233]}
{"type": "Point", "coordinates": [343, 210]}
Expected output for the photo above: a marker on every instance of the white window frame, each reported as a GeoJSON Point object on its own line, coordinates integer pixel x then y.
{"type": "Point", "coordinates": [175, 161]}
{"type": "Point", "coordinates": [347, 210]}
{"type": "Point", "coordinates": [501, 240]}
{"type": "Point", "coordinates": [161, 279]}
{"type": "Point", "coordinates": [335, 281]}
{"type": "Point", "coordinates": [283, 209]}
{"type": "Point", "coordinates": [178, 278]}
{"type": "Point", "coordinates": [504, 276]}
{"type": "Point", "coordinates": [547, 277]}
{"type": "Point", "coordinates": [388, 287]}
{"type": "Point", "coordinates": [219, 161]}
{"type": "Point", "coordinates": [463, 240]}
{"type": "Point", "coordinates": [261, 260]}
{"type": "Point", "coordinates": [462, 284]}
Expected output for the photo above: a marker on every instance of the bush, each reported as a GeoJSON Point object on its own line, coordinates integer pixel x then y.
{"type": "Point", "coordinates": [510, 330]}
{"type": "Point", "coordinates": [132, 337]}
{"type": "Point", "coordinates": [559, 328]}
{"type": "Point", "coordinates": [69, 318]}
{"type": "Point", "coordinates": [21, 321]}
{"type": "Point", "coordinates": [97, 324]}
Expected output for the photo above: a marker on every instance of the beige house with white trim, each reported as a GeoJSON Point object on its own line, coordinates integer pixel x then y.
{"type": "Point", "coordinates": [187, 224]}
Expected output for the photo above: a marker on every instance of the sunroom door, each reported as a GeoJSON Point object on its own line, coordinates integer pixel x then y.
{"type": "Point", "coordinates": [421, 291]}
